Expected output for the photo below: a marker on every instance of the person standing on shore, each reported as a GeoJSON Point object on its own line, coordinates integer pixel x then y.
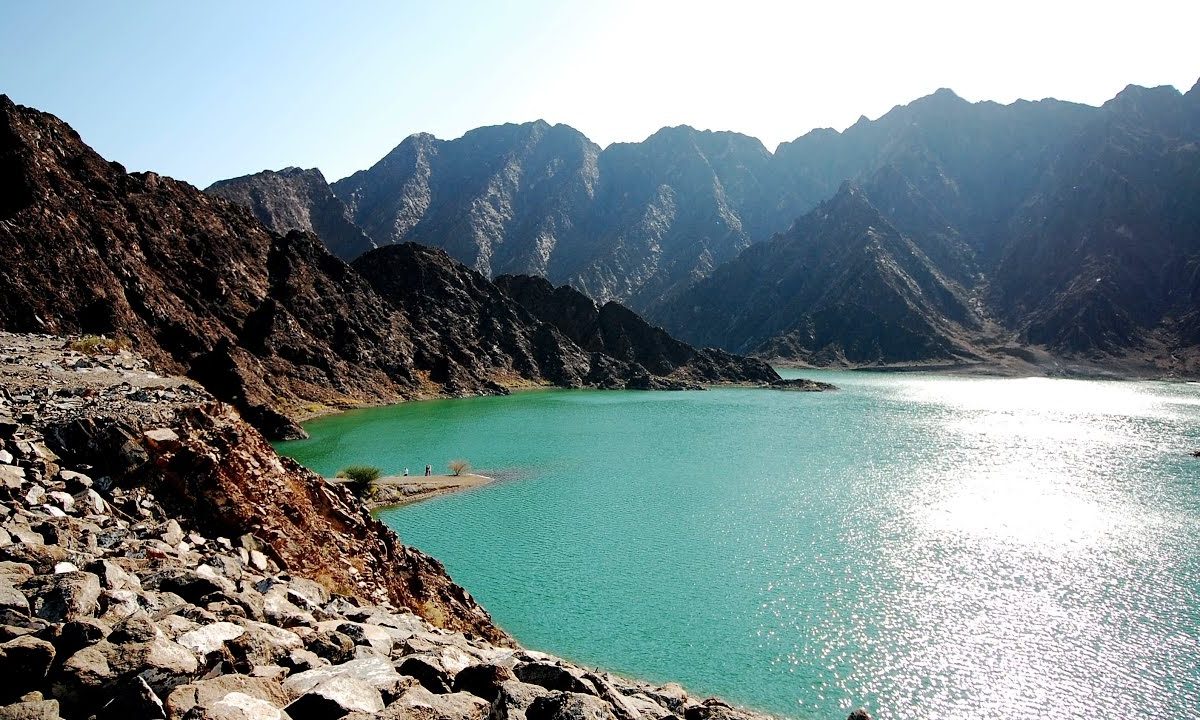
{"type": "Point", "coordinates": [428, 470]}
{"type": "Point", "coordinates": [405, 472]}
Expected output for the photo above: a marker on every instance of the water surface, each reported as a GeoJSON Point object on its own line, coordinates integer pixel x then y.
{"type": "Point", "coordinates": [924, 546]}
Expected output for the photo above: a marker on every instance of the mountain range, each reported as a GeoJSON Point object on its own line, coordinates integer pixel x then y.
{"type": "Point", "coordinates": [943, 231]}
{"type": "Point", "coordinates": [271, 322]}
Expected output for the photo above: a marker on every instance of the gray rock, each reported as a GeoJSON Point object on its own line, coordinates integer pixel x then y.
{"type": "Point", "coordinates": [263, 644]}
{"type": "Point", "coordinates": [210, 638]}
{"type": "Point", "coordinates": [376, 672]}
{"type": "Point", "coordinates": [513, 699]}
{"type": "Point", "coordinates": [76, 482]}
{"type": "Point", "coordinates": [172, 534]}
{"type": "Point", "coordinates": [417, 703]}
{"type": "Point", "coordinates": [205, 693]}
{"type": "Point", "coordinates": [553, 677]}
{"type": "Point", "coordinates": [67, 596]}
{"type": "Point", "coordinates": [568, 706]}
{"type": "Point", "coordinates": [332, 645]}
{"type": "Point", "coordinates": [12, 598]}
{"type": "Point", "coordinates": [62, 500]}
{"type": "Point", "coordinates": [30, 710]}
{"type": "Point", "coordinates": [11, 477]}
{"type": "Point", "coordinates": [428, 671]}
{"type": "Point", "coordinates": [238, 706]}
{"type": "Point", "coordinates": [136, 628]}
{"type": "Point", "coordinates": [335, 697]}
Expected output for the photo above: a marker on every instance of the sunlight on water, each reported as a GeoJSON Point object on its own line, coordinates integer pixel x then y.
{"type": "Point", "coordinates": [924, 546]}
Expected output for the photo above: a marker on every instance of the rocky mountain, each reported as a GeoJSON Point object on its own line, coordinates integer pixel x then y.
{"type": "Point", "coordinates": [1103, 256]}
{"type": "Point", "coordinates": [843, 285]}
{"type": "Point", "coordinates": [500, 199]}
{"type": "Point", "coordinates": [296, 199]}
{"type": "Point", "coordinates": [273, 324]}
{"type": "Point", "coordinates": [630, 222]}
{"type": "Point", "coordinates": [1064, 227]}
{"type": "Point", "coordinates": [616, 331]}
{"type": "Point", "coordinates": [1068, 228]}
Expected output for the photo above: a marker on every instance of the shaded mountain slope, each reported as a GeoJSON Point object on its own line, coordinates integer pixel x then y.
{"type": "Point", "coordinates": [842, 285]}
{"type": "Point", "coordinates": [296, 199]}
{"type": "Point", "coordinates": [1106, 251]}
{"type": "Point", "coordinates": [617, 331]}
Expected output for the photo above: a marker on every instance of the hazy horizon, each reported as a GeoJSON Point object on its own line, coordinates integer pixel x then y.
{"type": "Point", "coordinates": [219, 91]}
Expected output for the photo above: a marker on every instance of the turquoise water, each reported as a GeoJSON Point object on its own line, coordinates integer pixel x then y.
{"type": "Point", "coordinates": [923, 546]}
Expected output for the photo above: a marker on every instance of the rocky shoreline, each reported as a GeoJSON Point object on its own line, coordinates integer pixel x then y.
{"type": "Point", "coordinates": [158, 560]}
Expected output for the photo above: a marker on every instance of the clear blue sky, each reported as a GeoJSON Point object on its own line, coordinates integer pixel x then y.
{"type": "Point", "coordinates": [207, 90]}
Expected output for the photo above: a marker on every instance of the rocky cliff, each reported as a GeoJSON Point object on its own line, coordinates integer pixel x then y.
{"type": "Point", "coordinates": [273, 324]}
{"type": "Point", "coordinates": [296, 199]}
{"type": "Point", "coordinates": [158, 560]}
{"type": "Point", "coordinates": [615, 331]}
{"type": "Point", "coordinates": [631, 222]}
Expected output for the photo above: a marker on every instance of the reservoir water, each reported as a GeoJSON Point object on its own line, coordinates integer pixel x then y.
{"type": "Point", "coordinates": [923, 546]}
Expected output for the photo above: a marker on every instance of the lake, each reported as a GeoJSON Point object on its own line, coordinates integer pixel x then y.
{"type": "Point", "coordinates": [923, 546]}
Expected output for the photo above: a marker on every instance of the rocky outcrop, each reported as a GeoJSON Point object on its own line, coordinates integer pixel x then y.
{"type": "Point", "coordinates": [842, 286]}
{"type": "Point", "coordinates": [272, 324]}
{"type": "Point", "coordinates": [296, 199]}
{"type": "Point", "coordinates": [124, 596]}
{"type": "Point", "coordinates": [616, 331]}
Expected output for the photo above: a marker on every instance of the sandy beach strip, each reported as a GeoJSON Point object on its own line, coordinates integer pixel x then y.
{"type": "Point", "coordinates": [396, 490]}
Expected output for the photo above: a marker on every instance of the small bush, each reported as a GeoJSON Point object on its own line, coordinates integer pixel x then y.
{"type": "Point", "coordinates": [458, 467]}
{"type": "Point", "coordinates": [97, 344]}
{"type": "Point", "coordinates": [359, 478]}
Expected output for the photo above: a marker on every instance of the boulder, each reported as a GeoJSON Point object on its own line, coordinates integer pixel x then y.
{"type": "Point", "coordinates": [335, 697]}
{"type": "Point", "coordinates": [208, 638]}
{"type": "Point", "coordinates": [237, 706]}
{"type": "Point", "coordinates": [79, 634]}
{"type": "Point", "coordinates": [375, 672]}
{"type": "Point", "coordinates": [30, 710]}
{"type": "Point", "coordinates": [860, 714]}
{"type": "Point", "coordinates": [553, 677]}
{"type": "Point", "coordinates": [418, 703]}
{"type": "Point", "coordinates": [67, 596]}
{"type": "Point", "coordinates": [428, 671]}
{"type": "Point", "coordinates": [191, 585]}
{"type": "Point", "coordinates": [134, 700]}
{"type": "Point", "coordinates": [332, 645]}
{"type": "Point", "coordinates": [513, 698]}
{"type": "Point", "coordinates": [483, 680]}
{"type": "Point", "coordinates": [568, 706]}
{"type": "Point", "coordinates": [11, 598]}
{"type": "Point", "coordinates": [206, 693]}
{"type": "Point", "coordinates": [24, 663]}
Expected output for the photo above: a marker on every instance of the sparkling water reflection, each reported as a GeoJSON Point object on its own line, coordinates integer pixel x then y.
{"type": "Point", "coordinates": [924, 546]}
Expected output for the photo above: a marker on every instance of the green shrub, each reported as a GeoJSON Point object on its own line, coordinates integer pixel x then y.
{"type": "Point", "coordinates": [359, 478]}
